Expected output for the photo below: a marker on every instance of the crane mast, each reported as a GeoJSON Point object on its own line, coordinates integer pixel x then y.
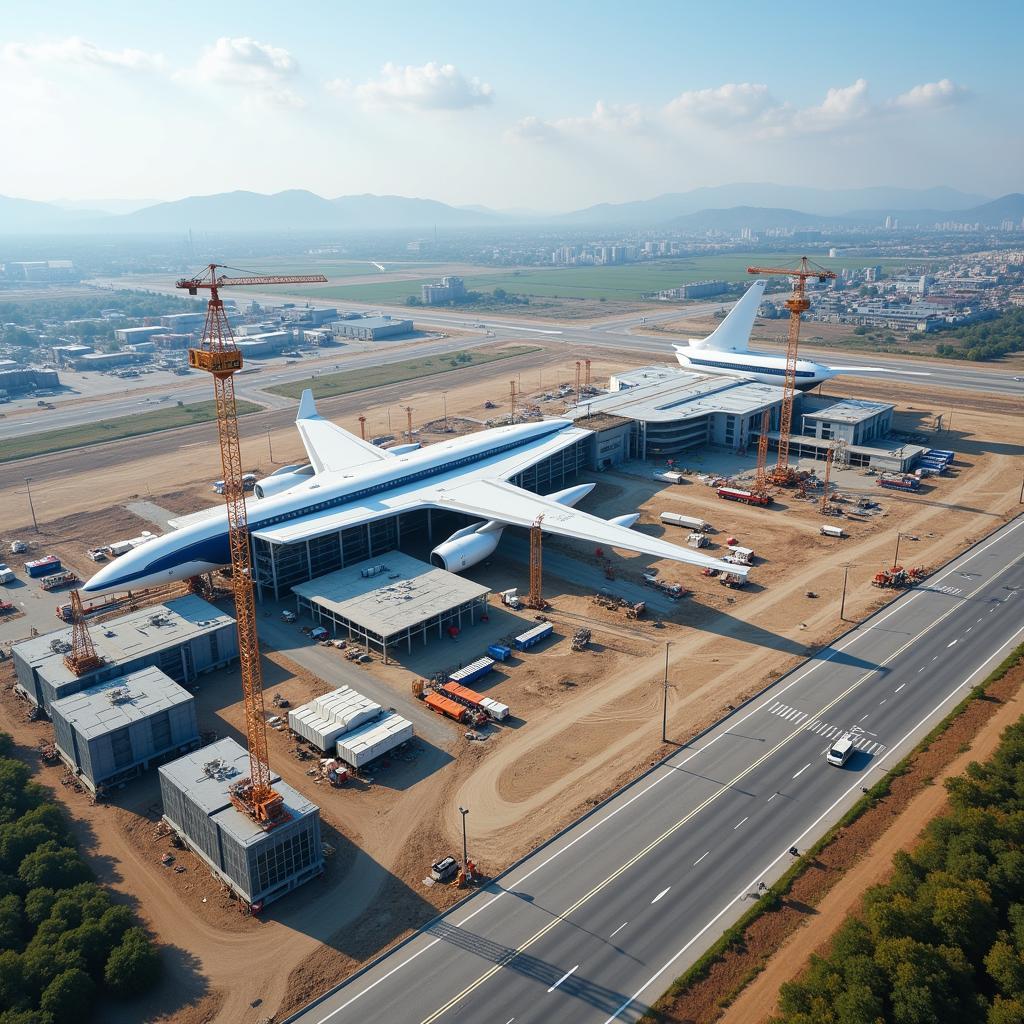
{"type": "Point", "coordinates": [797, 304]}
{"type": "Point", "coordinates": [220, 357]}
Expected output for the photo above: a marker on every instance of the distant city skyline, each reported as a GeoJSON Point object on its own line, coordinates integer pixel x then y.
{"type": "Point", "coordinates": [551, 107]}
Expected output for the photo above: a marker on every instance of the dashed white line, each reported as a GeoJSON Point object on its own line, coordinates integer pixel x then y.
{"type": "Point", "coordinates": [865, 716]}
{"type": "Point", "coordinates": [882, 701]}
{"type": "Point", "coordinates": [660, 894]}
{"type": "Point", "coordinates": [968, 629]}
{"type": "Point", "coordinates": [568, 974]}
{"type": "Point", "coordinates": [617, 930]}
{"type": "Point", "coordinates": [897, 690]}
{"type": "Point", "coordinates": [799, 773]}
{"type": "Point", "coordinates": [951, 644]}
{"type": "Point", "coordinates": [921, 669]}
{"type": "Point", "coordinates": [738, 823]}
{"type": "Point", "coordinates": [770, 799]}
{"type": "Point", "coordinates": [700, 858]}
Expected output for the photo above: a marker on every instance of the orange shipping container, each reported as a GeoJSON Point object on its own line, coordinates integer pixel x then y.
{"type": "Point", "coordinates": [463, 693]}
{"type": "Point", "coordinates": [444, 706]}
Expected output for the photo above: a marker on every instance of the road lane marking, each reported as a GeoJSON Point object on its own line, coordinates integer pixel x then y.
{"type": "Point", "coordinates": [799, 773]}
{"type": "Point", "coordinates": [865, 716]}
{"type": "Point", "coordinates": [769, 800]}
{"type": "Point", "coordinates": [967, 630]}
{"type": "Point", "coordinates": [660, 894]}
{"type": "Point", "coordinates": [807, 831]}
{"type": "Point", "coordinates": [897, 690]}
{"type": "Point", "coordinates": [617, 930]}
{"type": "Point", "coordinates": [882, 701]}
{"type": "Point", "coordinates": [738, 823]}
{"type": "Point", "coordinates": [856, 635]}
{"type": "Point", "coordinates": [568, 974]}
{"type": "Point", "coordinates": [703, 855]}
{"type": "Point", "coordinates": [955, 642]}
{"type": "Point", "coordinates": [920, 670]}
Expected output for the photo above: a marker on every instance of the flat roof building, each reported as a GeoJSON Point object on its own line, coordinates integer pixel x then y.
{"type": "Point", "coordinates": [371, 328]}
{"type": "Point", "coordinates": [390, 601]}
{"type": "Point", "coordinates": [184, 637]}
{"type": "Point", "coordinates": [115, 730]}
{"type": "Point", "coordinates": [259, 865]}
{"type": "Point", "coordinates": [130, 335]}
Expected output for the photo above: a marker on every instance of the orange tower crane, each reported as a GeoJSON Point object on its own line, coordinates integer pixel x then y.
{"type": "Point", "coordinates": [578, 382]}
{"type": "Point", "coordinates": [83, 657]}
{"type": "Point", "coordinates": [761, 488]}
{"type": "Point", "coordinates": [828, 477]}
{"type": "Point", "coordinates": [408, 423]}
{"type": "Point", "coordinates": [535, 599]}
{"type": "Point", "coordinates": [797, 303]}
{"type": "Point", "coordinates": [512, 392]}
{"type": "Point", "coordinates": [362, 427]}
{"type": "Point", "coordinates": [586, 378]}
{"type": "Point", "coordinates": [220, 357]}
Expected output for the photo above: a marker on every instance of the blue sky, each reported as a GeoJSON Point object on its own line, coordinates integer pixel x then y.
{"type": "Point", "coordinates": [544, 105]}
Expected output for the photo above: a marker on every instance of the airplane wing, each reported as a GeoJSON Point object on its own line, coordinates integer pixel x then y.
{"type": "Point", "coordinates": [494, 499]}
{"type": "Point", "coordinates": [878, 369]}
{"type": "Point", "coordinates": [329, 446]}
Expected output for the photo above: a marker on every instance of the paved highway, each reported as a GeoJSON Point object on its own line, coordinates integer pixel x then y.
{"type": "Point", "coordinates": [593, 926]}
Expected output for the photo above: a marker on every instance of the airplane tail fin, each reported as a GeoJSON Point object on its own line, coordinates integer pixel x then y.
{"type": "Point", "coordinates": [733, 333]}
{"type": "Point", "coordinates": [307, 406]}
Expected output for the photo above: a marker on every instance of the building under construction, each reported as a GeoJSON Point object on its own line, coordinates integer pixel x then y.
{"type": "Point", "coordinates": [259, 864]}
{"type": "Point", "coordinates": [183, 637]}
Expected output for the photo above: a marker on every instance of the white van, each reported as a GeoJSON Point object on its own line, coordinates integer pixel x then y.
{"type": "Point", "coordinates": [840, 751]}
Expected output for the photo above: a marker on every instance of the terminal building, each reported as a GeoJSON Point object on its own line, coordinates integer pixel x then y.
{"type": "Point", "coordinates": [371, 328]}
{"type": "Point", "coordinates": [184, 638]}
{"type": "Point", "coordinates": [258, 865]}
{"type": "Point", "coordinates": [115, 730]}
{"type": "Point", "coordinates": [391, 601]}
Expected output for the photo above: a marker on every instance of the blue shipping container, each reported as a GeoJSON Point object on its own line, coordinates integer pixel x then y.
{"type": "Point", "coordinates": [499, 652]}
{"type": "Point", "coordinates": [533, 636]}
{"type": "Point", "coordinates": [473, 671]}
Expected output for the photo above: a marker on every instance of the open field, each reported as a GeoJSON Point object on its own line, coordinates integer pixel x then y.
{"type": "Point", "coordinates": [626, 282]}
{"type": "Point", "coordinates": [584, 722]}
{"type": "Point", "coordinates": [332, 384]}
{"type": "Point", "coordinates": [116, 429]}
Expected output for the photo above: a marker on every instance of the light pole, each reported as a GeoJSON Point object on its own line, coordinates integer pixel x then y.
{"type": "Point", "coordinates": [444, 400]}
{"type": "Point", "coordinates": [389, 420]}
{"type": "Point", "coordinates": [842, 600]}
{"type": "Point", "coordinates": [664, 702]}
{"type": "Point", "coordinates": [270, 446]}
{"type": "Point", "coordinates": [896, 558]}
{"type": "Point", "coordinates": [31, 507]}
{"type": "Point", "coordinates": [465, 852]}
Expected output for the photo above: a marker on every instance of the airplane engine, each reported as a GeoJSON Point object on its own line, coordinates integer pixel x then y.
{"type": "Point", "coordinates": [279, 482]}
{"type": "Point", "coordinates": [460, 552]}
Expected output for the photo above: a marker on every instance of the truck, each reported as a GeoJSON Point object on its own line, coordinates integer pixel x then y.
{"type": "Point", "coordinates": [691, 522]}
{"type": "Point", "coordinates": [746, 497]}
{"type": "Point", "coordinates": [832, 531]}
{"type": "Point", "coordinates": [475, 701]}
{"type": "Point", "coordinates": [63, 578]}
{"type": "Point", "coordinates": [670, 477]}
{"type": "Point", "coordinates": [445, 706]}
{"type": "Point", "coordinates": [6, 574]}
{"type": "Point", "coordinates": [45, 566]}
{"type": "Point", "coordinates": [510, 598]}
{"type": "Point", "coordinates": [740, 555]}
{"type": "Point", "coordinates": [697, 540]}
{"type": "Point", "coordinates": [673, 590]}
{"type": "Point", "coordinates": [898, 482]}
{"type": "Point", "coordinates": [533, 636]}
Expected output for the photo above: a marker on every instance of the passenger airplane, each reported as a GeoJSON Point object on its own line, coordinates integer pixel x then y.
{"type": "Point", "coordinates": [725, 351]}
{"type": "Point", "coordinates": [350, 482]}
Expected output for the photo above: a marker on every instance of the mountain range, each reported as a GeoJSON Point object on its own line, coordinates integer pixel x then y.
{"type": "Point", "coordinates": [726, 207]}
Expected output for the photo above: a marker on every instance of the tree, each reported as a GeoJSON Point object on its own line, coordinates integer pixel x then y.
{"type": "Point", "coordinates": [12, 925]}
{"type": "Point", "coordinates": [53, 866]}
{"type": "Point", "coordinates": [38, 903]}
{"type": "Point", "coordinates": [1006, 968]}
{"type": "Point", "coordinates": [68, 997]}
{"type": "Point", "coordinates": [1006, 1011]}
{"type": "Point", "coordinates": [133, 965]}
{"type": "Point", "coordinates": [13, 991]}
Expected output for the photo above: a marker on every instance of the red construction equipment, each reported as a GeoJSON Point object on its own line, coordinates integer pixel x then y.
{"type": "Point", "coordinates": [797, 303]}
{"type": "Point", "coordinates": [219, 356]}
{"type": "Point", "coordinates": [83, 657]}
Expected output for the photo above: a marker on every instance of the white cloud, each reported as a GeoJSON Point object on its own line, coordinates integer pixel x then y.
{"type": "Point", "coordinates": [732, 103]}
{"type": "Point", "coordinates": [605, 118]}
{"type": "Point", "coordinates": [241, 61]}
{"type": "Point", "coordinates": [533, 129]}
{"type": "Point", "coordinates": [74, 51]}
{"type": "Point", "coordinates": [431, 86]}
{"type": "Point", "coordinates": [943, 93]}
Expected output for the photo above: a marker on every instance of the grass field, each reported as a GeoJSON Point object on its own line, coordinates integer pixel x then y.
{"type": "Point", "coordinates": [328, 385]}
{"type": "Point", "coordinates": [628, 282]}
{"type": "Point", "coordinates": [329, 266]}
{"type": "Point", "coordinates": [113, 430]}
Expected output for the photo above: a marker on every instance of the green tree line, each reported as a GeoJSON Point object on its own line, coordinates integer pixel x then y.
{"type": "Point", "coordinates": [135, 305]}
{"type": "Point", "coordinates": [987, 340]}
{"type": "Point", "coordinates": [943, 941]}
{"type": "Point", "coordinates": [63, 941]}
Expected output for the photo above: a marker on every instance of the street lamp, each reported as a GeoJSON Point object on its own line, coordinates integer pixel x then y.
{"type": "Point", "coordinates": [465, 853]}
{"type": "Point", "coordinates": [664, 703]}
{"type": "Point", "coordinates": [32, 509]}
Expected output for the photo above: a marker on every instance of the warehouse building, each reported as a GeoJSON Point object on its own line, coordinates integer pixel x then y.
{"type": "Point", "coordinates": [133, 335]}
{"type": "Point", "coordinates": [389, 602]}
{"type": "Point", "coordinates": [115, 730]}
{"type": "Point", "coordinates": [17, 382]}
{"type": "Point", "coordinates": [371, 328]}
{"type": "Point", "coordinates": [258, 865]}
{"type": "Point", "coordinates": [184, 638]}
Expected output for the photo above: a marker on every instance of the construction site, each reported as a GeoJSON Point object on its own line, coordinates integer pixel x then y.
{"type": "Point", "coordinates": [302, 727]}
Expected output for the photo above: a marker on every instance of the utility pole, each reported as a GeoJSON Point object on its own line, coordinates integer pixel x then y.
{"type": "Point", "coordinates": [896, 558]}
{"type": "Point", "coordinates": [270, 447]}
{"type": "Point", "coordinates": [1021, 492]}
{"type": "Point", "coordinates": [31, 507]}
{"type": "Point", "coordinates": [444, 400]}
{"type": "Point", "coordinates": [664, 703]}
{"type": "Point", "coordinates": [842, 600]}
{"type": "Point", "coordinates": [465, 850]}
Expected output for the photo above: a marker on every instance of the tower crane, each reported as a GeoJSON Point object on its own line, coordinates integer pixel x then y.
{"type": "Point", "coordinates": [219, 356]}
{"type": "Point", "coordinates": [535, 599]}
{"type": "Point", "coordinates": [797, 303]}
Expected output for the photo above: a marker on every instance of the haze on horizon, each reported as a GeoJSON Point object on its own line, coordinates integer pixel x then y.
{"type": "Point", "coordinates": [546, 107]}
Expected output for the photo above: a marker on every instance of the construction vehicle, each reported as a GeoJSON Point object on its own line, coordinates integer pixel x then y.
{"type": "Point", "coordinates": [746, 497]}
{"type": "Point", "coordinates": [580, 639]}
{"type": "Point", "coordinates": [673, 590]}
{"type": "Point", "coordinates": [6, 607]}
{"type": "Point", "coordinates": [7, 574]}
{"type": "Point", "coordinates": [510, 598]}
{"type": "Point", "coordinates": [728, 579]}
{"type": "Point", "coordinates": [219, 356]}
{"type": "Point", "coordinates": [693, 522]}
{"type": "Point", "coordinates": [897, 577]}
{"type": "Point", "coordinates": [797, 303]}
{"type": "Point", "coordinates": [697, 540]}
{"type": "Point", "coordinates": [636, 611]}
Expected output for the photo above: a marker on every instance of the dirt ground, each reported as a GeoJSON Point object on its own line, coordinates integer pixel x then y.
{"type": "Point", "coordinates": [583, 724]}
{"type": "Point", "coordinates": [777, 944]}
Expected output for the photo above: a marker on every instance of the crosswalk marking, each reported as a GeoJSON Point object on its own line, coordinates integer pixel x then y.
{"type": "Point", "coordinates": [795, 716]}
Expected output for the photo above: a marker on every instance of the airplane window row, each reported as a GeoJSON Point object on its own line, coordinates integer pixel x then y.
{"type": "Point", "coordinates": [779, 371]}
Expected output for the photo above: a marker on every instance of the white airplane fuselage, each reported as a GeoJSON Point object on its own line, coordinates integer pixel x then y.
{"type": "Point", "coordinates": [760, 366]}
{"type": "Point", "coordinates": [203, 546]}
